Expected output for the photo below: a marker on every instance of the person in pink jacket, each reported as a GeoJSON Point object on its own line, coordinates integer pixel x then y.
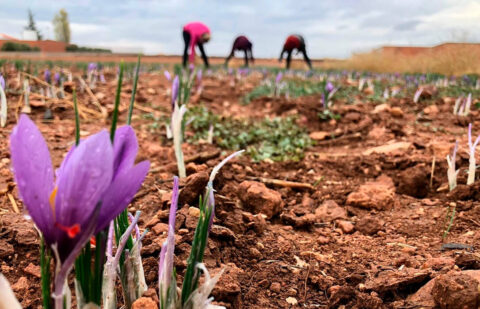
{"type": "Point", "coordinates": [195, 33]}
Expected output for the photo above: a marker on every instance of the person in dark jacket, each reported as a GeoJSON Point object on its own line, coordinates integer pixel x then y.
{"type": "Point", "coordinates": [195, 34]}
{"type": "Point", "coordinates": [293, 42]}
{"type": "Point", "coordinates": [241, 43]}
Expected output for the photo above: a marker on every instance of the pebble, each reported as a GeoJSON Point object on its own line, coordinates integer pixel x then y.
{"type": "Point", "coordinates": [275, 287]}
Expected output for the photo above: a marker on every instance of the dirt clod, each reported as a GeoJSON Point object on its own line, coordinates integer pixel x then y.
{"type": "Point", "coordinates": [377, 194]}
{"type": "Point", "coordinates": [260, 199]}
{"type": "Point", "coordinates": [369, 225]}
{"type": "Point", "coordinates": [456, 291]}
{"type": "Point", "coordinates": [414, 181]}
{"type": "Point", "coordinates": [194, 186]}
{"type": "Point", "coordinates": [144, 303]}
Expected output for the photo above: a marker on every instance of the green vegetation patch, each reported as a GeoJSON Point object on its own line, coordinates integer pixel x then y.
{"type": "Point", "coordinates": [278, 139]}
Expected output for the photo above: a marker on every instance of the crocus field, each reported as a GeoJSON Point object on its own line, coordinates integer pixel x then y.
{"type": "Point", "coordinates": [152, 186]}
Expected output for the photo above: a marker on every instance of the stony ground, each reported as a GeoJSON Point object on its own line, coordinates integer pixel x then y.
{"type": "Point", "coordinates": [357, 223]}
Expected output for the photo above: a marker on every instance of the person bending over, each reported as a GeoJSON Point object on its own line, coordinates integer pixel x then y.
{"type": "Point", "coordinates": [241, 43]}
{"type": "Point", "coordinates": [195, 33]}
{"type": "Point", "coordinates": [293, 42]}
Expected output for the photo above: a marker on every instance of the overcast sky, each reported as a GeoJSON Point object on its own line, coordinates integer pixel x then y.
{"type": "Point", "coordinates": [332, 28]}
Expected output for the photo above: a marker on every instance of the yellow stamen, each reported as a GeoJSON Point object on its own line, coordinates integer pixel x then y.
{"type": "Point", "coordinates": [52, 199]}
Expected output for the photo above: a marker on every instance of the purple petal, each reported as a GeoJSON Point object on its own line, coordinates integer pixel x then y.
{"type": "Point", "coordinates": [84, 179]}
{"type": "Point", "coordinates": [165, 266]}
{"type": "Point", "coordinates": [121, 192]}
{"type": "Point", "coordinates": [2, 81]}
{"type": "Point", "coordinates": [174, 204]}
{"type": "Point", "coordinates": [125, 148]}
{"type": "Point", "coordinates": [167, 75]}
{"type": "Point", "coordinates": [58, 171]}
{"type": "Point", "coordinates": [33, 173]}
{"type": "Point", "coordinates": [67, 258]}
{"type": "Point", "coordinates": [175, 89]}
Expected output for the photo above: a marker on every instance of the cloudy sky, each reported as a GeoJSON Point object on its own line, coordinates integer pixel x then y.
{"type": "Point", "coordinates": [332, 28]}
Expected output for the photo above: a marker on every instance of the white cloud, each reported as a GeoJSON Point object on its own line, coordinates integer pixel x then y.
{"type": "Point", "coordinates": [332, 28]}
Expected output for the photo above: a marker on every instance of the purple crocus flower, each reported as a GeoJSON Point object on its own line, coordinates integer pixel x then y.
{"type": "Point", "coordinates": [329, 87]}
{"type": "Point", "coordinates": [2, 81]}
{"type": "Point", "coordinates": [175, 89]}
{"type": "Point", "coordinates": [94, 172]}
{"type": "Point", "coordinates": [199, 76]}
{"type": "Point", "coordinates": [56, 78]}
{"type": "Point", "coordinates": [92, 66]}
{"type": "Point", "coordinates": [167, 75]}
{"type": "Point", "coordinates": [279, 77]}
{"type": "Point", "coordinates": [47, 75]}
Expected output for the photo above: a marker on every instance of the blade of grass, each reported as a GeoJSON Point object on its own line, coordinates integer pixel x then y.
{"type": "Point", "coordinates": [77, 118]}
{"type": "Point", "coordinates": [134, 91]}
{"type": "Point", "coordinates": [117, 102]}
{"type": "Point", "coordinates": [45, 278]}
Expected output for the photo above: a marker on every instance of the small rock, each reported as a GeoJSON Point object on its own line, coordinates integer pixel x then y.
{"type": "Point", "coordinates": [275, 287]}
{"type": "Point", "coordinates": [292, 301]}
{"type": "Point", "coordinates": [3, 187]}
{"type": "Point", "coordinates": [431, 110]}
{"type": "Point", "coordinates": [319, 135]}
{"type": "Point", "coordinates": [398, 147]}
{"type": "Point", "coordinates": [322, 240]}
{"type": "Point", "coordinates": [369, 225]}
{"type": "Point", "coordinates": [396, 112]}
{"type": "Point", "coordinates": [160, 228]}
{"type": "Point", "coordinates": [194, 212]}
{"type": "Point", "coordinates": [439, 263]}
{"type": "Point", "coordinates": [21, 285]}
{"type": "Point", "coordinates": [346, 226]}
{"type": "Point", "coordinates": [144, 303]}
{"type": "Point", "coordinates": [381, 108]}
{"type": "Point", "coordinates": [377, 133]}
{"type": "Point", "coordinates": [330, 211]}
{"type": "Point", "coordinates": [154, 221]}
{"type": "Point", "coordinates": [414, 181]}
{"type": "Point", "coordinates": [378, 194]}
{"type": "Point", "coordinates": [194, 186]}
{"type": "Point", "coordinates": [260, 199]}
{"type": "Point", "coordinates": [456, 291]}
{"type": "Point", "coordinates": [255, 253]}
{"type": "Point", "coordinates": [33, 270]}
{"type": "Point", "coordinates": [222, 232]}
{"type": "Point", "coordinates": [6, 249]}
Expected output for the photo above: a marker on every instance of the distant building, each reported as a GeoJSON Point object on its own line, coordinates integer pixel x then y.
{"type": "Point", "coordinates": [46, 46]}
{"type": "Point", "coordinates": [29, 35]}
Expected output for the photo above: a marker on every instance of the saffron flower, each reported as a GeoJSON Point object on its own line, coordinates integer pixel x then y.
{"type": "Point", "coordinates": [95, 182]}
{"type": "Point", "coordinates": [329, 87]}
{"type": "Point", "coordinates": [56, 78]}
{"type": "Point", "coordinates": [47, 75]}
{"type": "Point", "coordinates": [175, 90]}
{"type": "Point", "coordinates": [2, 81]}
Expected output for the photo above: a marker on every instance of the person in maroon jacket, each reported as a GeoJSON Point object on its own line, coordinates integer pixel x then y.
{"type": "Point", "coordinates": [297, 42]}
{"type": "Point", "coordinates": [241, 43]}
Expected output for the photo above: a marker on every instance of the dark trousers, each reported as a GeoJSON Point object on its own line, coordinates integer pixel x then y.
{"type": "Point", "coordinates": [248, 54]}
{"type": "Point", "coordinates": [302, 50]}
{"type": "Point", "coordinates": [186, 39]}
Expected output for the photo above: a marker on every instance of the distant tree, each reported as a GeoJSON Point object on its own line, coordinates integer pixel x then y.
{"type": "Point", "coordinates": [32, 26]}
{"type": "Point", "coordinates": [61, 26]}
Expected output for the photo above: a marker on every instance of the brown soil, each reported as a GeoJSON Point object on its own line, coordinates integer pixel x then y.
{"type": "Point", "coordinates": [326, 247]}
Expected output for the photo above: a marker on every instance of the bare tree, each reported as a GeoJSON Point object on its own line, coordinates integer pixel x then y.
{"type": "Point", "coordinates": [32, 26]}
